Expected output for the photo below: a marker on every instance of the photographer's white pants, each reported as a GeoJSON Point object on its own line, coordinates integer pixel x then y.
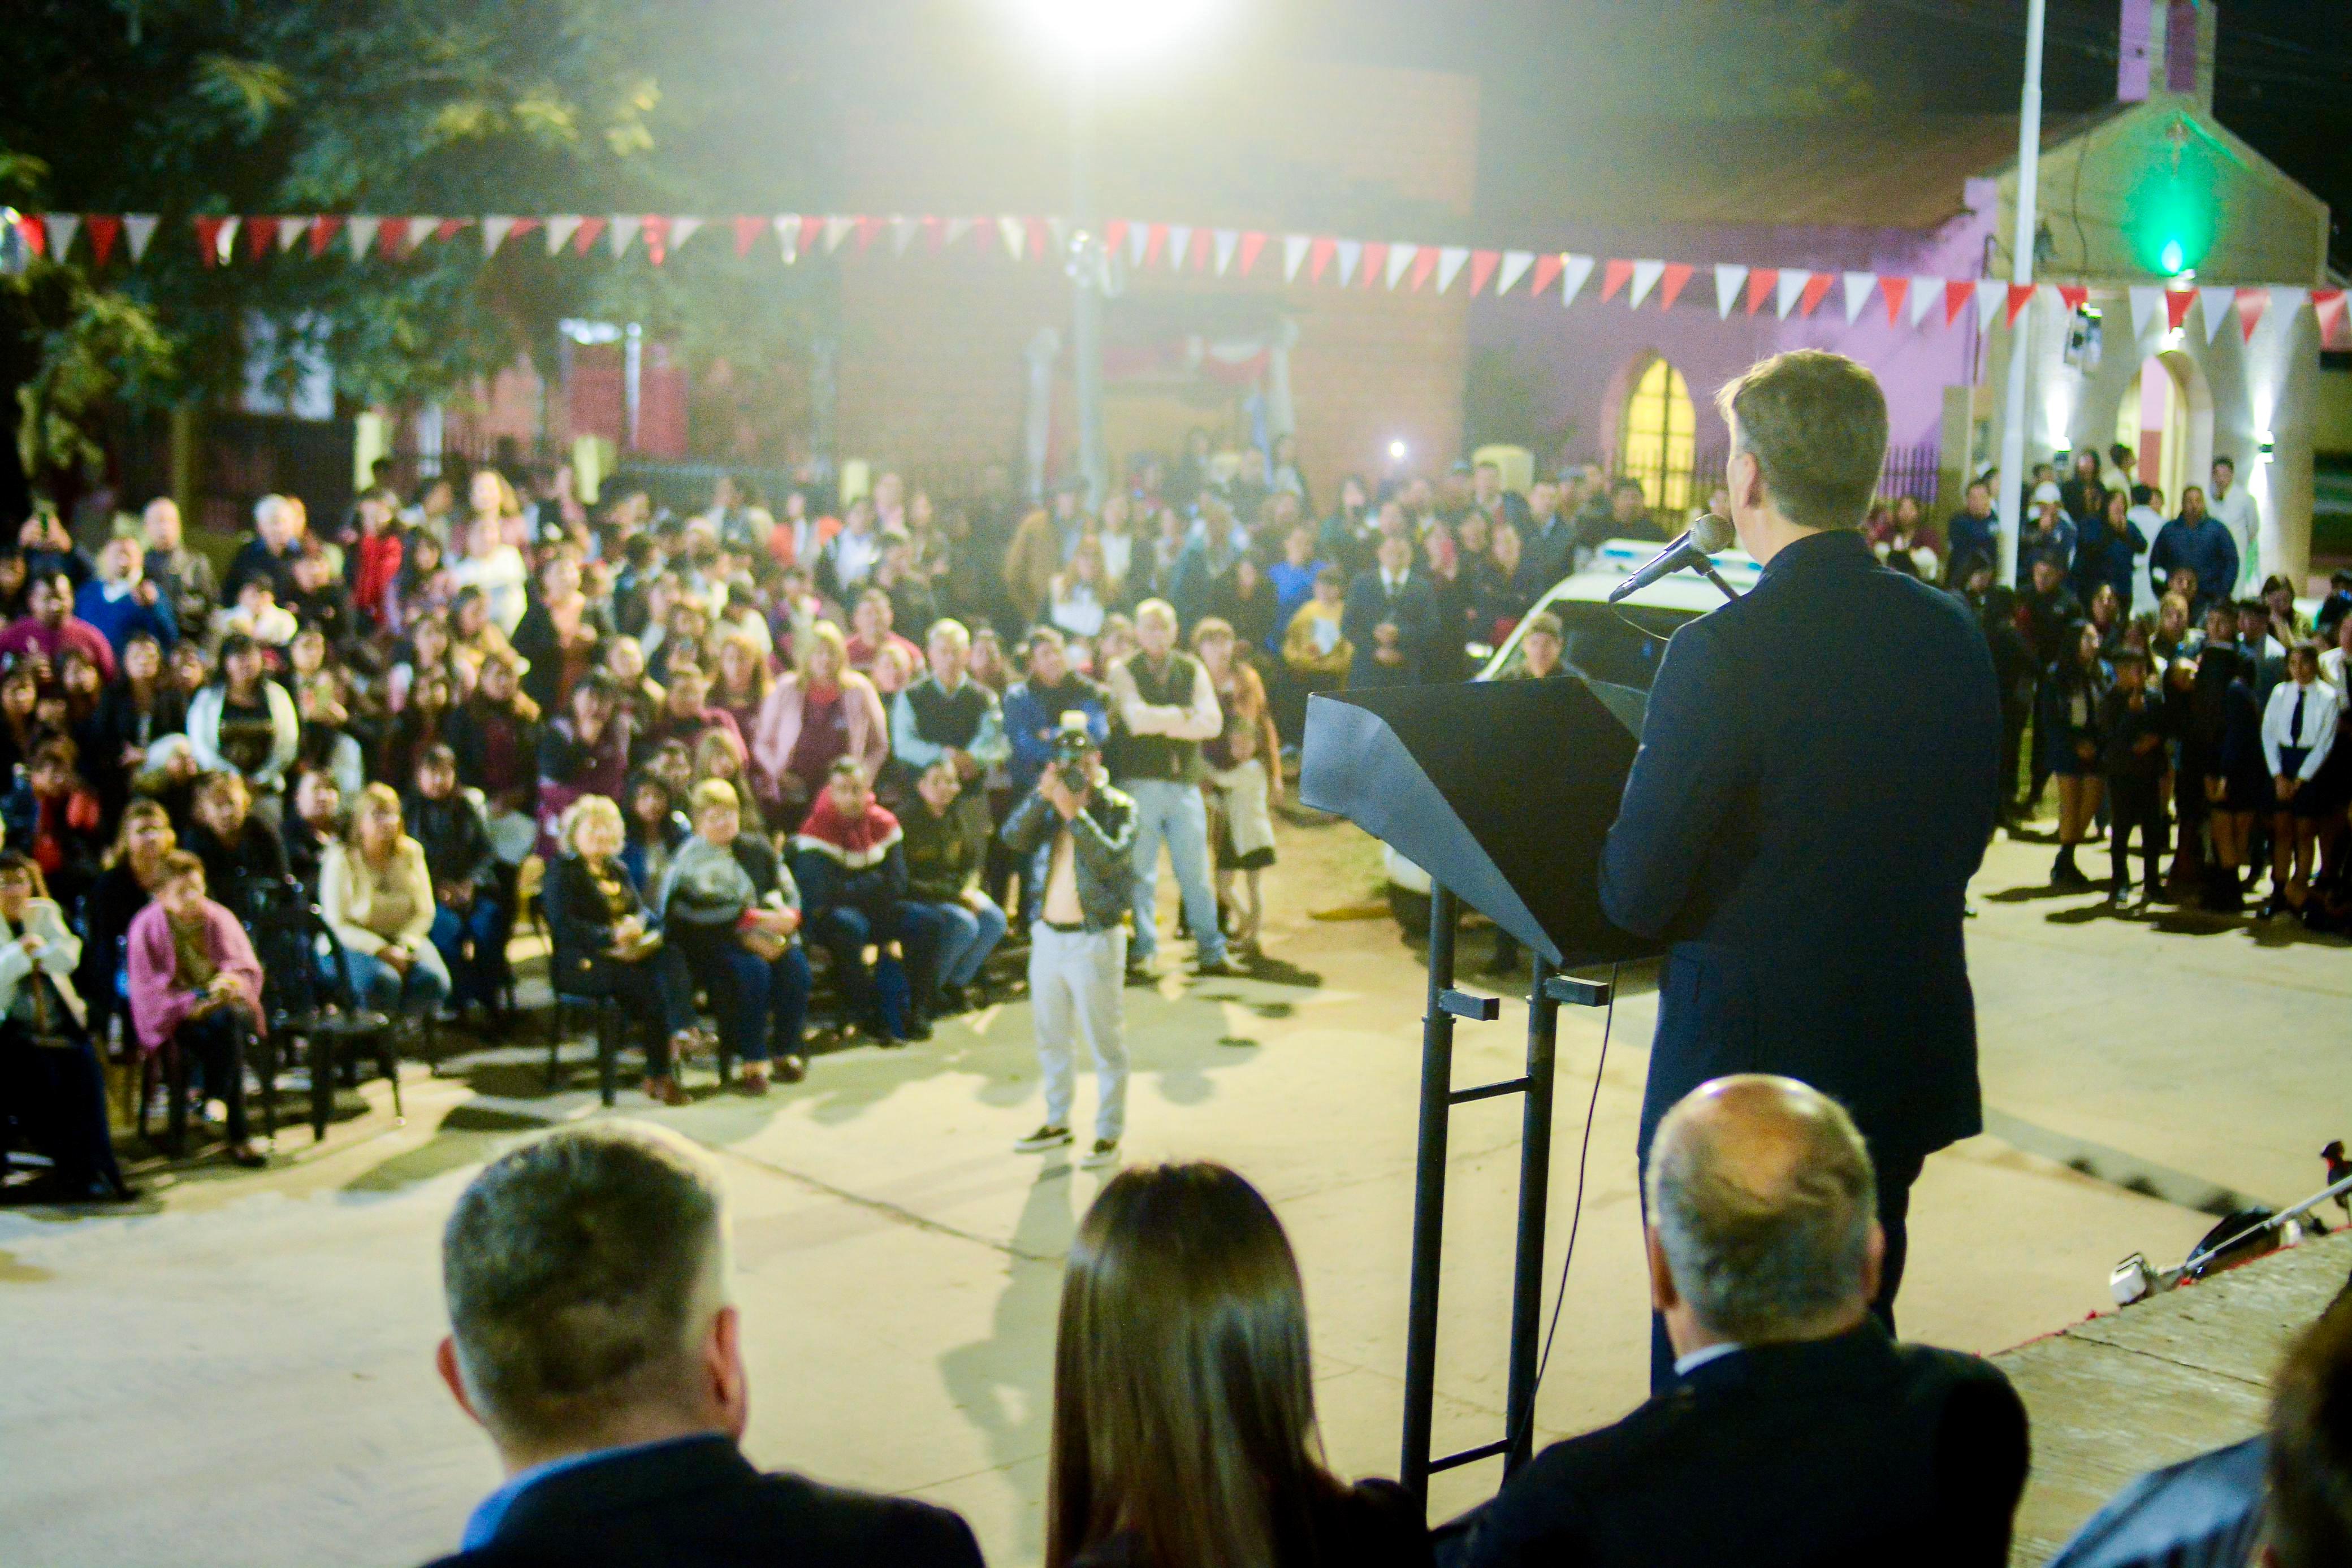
{"type": "Point", "coordinates": [1078, 983]}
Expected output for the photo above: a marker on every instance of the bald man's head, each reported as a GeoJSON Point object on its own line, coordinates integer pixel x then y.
{"type": "Point", "coordinates": [1764, 1210]}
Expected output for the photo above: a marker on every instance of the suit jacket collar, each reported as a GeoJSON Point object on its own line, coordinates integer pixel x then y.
{"type": "Point", "coordinates": [627, 1479]}
{"type": "Point", "coordinates": [1831, 549]}
{"type": "Point", "coordinates": [1857, 1358]}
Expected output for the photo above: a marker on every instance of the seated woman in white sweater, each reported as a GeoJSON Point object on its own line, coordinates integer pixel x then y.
{"type": "Point", "coordinates": [377, 896]}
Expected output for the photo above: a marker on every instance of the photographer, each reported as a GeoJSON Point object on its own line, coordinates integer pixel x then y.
{"type": "Point", "coordinates": [1078, 836]}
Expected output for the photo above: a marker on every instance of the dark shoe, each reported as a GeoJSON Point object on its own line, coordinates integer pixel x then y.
{"type": "Point", "coordinates": [666, 1091]}
{"type": "Point", "coordinates": [1048, 1136]}
{"type": "Point", "coordinates": [791, 1069]}
{"type": "Point", "coordinates": [1141, 974]}
{"type": "Point", "coordinates": [954, 999]}
{"type": "Point", "coordinates": [755, 1088]}
{"type": "Point", "coordinates": [1224, 965]}
{"type": "Point", "coordinates": [1104, 1152]}
{"type": "Point", "coordinates": [918, 1028]}
{"type": "Point", "coordinates": [249, 1157]}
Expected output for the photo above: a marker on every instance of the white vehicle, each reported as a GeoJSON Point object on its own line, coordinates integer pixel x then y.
{"type": "Point", "coordinates": [1620, 643]}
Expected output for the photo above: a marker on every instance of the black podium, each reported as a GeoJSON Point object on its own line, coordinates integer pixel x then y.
{"type": "Point", "coordinates": [1503, 792]}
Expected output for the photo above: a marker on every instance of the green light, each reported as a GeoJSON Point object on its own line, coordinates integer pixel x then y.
{"type": "Point", "coordinates": [2171, 258]}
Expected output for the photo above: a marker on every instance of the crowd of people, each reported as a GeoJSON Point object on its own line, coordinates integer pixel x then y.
{"type": "Point", "coordinates": [594, 1336]}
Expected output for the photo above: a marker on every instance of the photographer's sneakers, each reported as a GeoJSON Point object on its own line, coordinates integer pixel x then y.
{"type": "Point", "coordinates": [1045, 1137]}
{"type": "Point", "coordinates": [1104, 1152]}
{"type": "Point", "coordinates": [1224, 965]}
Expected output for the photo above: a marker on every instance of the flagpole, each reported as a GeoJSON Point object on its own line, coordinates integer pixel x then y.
{"type": "Point", "coordinates": [2021, 336]}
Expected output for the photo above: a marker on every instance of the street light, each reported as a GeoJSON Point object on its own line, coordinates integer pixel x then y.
{"type": "Point", "coordinates": [1092, 34]}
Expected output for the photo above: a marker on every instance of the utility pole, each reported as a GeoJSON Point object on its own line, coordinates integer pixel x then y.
{"type": "Point", "coordinates": [2020, 337]}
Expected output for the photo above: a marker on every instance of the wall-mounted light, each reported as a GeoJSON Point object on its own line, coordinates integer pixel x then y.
{"type": "Point", "coordinates": [2172, 338]}
{"type": "Point", "coordinates": [2265, 445]}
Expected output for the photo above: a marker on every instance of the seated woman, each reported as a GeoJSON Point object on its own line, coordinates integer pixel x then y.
{"type": "Point", "coordinates": [316, 822]}
{"type": "Point", "coordinates": [193, 977]}
{"type": "Point", "coordinates": [140, 708]}
{"type": "Point", "coordinates": [583, 751]}
{"type": "Point", "coordinates": [377, 898]}
{"type": "Point", "coordinates": [239, 848]}
{"type": "Point", "coordinates": [54, 817]}
{"type": "Point", "coordinates": [731, 910]}
{"type": "Point", "coordinates": [51, 1086]}
{"type": "Point", "coordinates": [605, 943]}
{"type": "Point", "coordinates": [133, 868]}
{"type": "Point", "coordinates": [241, 722]}
{"type": "Point", "coordinates": [471, 916]}
{"type": "Point", "coordinates": [944, 861]}
{"type": "Point", "coordinates": [719, 755]}
{"type": "Point", "coordinates": [654, 829]}
{"type": "Point", "coordinates": [852, 871]}
{"type": "Point", "coordinates": [1183, 1403]}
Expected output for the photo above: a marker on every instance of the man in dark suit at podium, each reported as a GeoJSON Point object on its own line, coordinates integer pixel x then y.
{"type": "Point", "coordinates": [1816, 784]}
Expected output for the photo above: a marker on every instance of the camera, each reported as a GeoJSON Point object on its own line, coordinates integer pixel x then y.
{"type": "Point", "coordinates": [1073, 749]}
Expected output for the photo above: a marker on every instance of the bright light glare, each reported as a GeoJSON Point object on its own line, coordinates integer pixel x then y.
{"type": "Point", "coordinates": [1097, 32]}
{"type": "Point", "coordinates": [1396, 451]}
{"type": "Point", "coordinates": [2171, 258]}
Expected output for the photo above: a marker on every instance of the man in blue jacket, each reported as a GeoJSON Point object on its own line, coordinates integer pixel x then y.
{"type": "Point", "coordinates": [1817, 780]}
{"type": "Point", "coordinates": [2201, 542]}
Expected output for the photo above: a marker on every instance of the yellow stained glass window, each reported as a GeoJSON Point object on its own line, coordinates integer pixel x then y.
{"type": "Point", "coordinates": [1661, 431]}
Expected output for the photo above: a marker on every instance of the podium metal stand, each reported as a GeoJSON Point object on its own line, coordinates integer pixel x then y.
{"type": "Point", "coordinates": [1503, 792]}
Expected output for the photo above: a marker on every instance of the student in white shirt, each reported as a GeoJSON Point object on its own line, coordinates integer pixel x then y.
{"type": "Point", "coordinates": [2234, 505]}
{"type": "Point", "coordinates": [2298, 734]}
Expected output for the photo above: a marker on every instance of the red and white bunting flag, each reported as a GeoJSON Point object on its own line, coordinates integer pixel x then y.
{"type": "Point", "coordinates": [138, 229]}
{"type": "Point", "coordinates": [260, 236]}
{"type": "Point", "coordinates": [105, 228]}
{"type": "Point", "coordinates": [2175, 306]}
{"type": "Point", "coordinates": [1763, 283]}
{"type": "Point", "coordinates": [1057, 232]}
{"type": "Point", "coordinates": [559, 230]}
{"type": "Point", "coordinates": [62, 227]}
{"type": "Point", "coordinates": [35, 232]}
{"type": "Point", "coordinates": [1013, 232]}
{"type": "Point", "coordinates": [1253, 241]}
{"type": "Point", "coordinates": [1926, 294]}
{"type": "Point", "coordinates": [2217, 303]}
{"type": "Point", "coordinates": [836, 229]}
{"type": "Point", "coordinates": [2020, 295]}
{"type": "Point", "coordinates": [788, 237]}
{"type": "Point", "coordinates": [953, 232]}
{"type": "Point", "coordinates": [1573, 270]}
{"type": "Point", "coordinates": [1790, 287]}
{"type": "Point", "coordinates": [1401, 257]}
{"type": "Point", "coordinates": [226, 236]}
{"type": "Point", "coordinates": [395, 237]}
{"type": "Point", "coordinates": [1957, 293]}
{"type": "Point", "coordinates": [1728, 281]}
{"type": "Point", "coordinates": [1515, 267]}
{"type": "Point", "coordinates": [1139, 240]}
{"type": "Point", "coordinates": [446, 229]}
{"type": "Point", "coordinates": [748, 230]}
{"type": "Point", "coordinates": [812, 234]}
{"type": "Point", "coordinates": [2326, 304]}
{"type": "Point", "coordinates": [1376, 262]}
{"type": "Point", "coordinates": [1350, 251]}
{"type": "Point", "coordinates": [291, 232]}
{"type": "Point", "coordinates": [2074, 296]}
{"type": "Point", "coordinates": [1450, 259]}
{"type": "Point", "coordinates": [1991, 293]}
{"type": "Point", "coordinates": [1548, 266]}
{"type": "Point", "coordinates": [2252, 303]}
{"type": "Point", "coordinates": [1424, 264]}
{"type": "Point", "coordinates": [1197, 248]}
{"type": "Point", "coordinates": [2286, 304]}
{"type": "Point", "coordinates": [1179, 240]}
{"type": "Point", "coordinates": [1114, 236]}
{"type": "Point", "coordinates": [2146, 298]}
{"type": "Point", "coordinates": [1858, 285]}
{"type": "Point", "coordinates": [584, 237]}
{"type": "Point", "coordinates": [1893, 288]}
{"type": "Point", "coordinates": [1646, 277]}
{"type": "Point", "coordinates": [624, 227]}
{"type": "Point", "coordinates": [902, 231]}
{"type": "Point", "coordinates": [1482, 269]}
{"type": "Point", "coordinates": [1155, 243]}
{"type": "Point", "coordinates": [1615, 274]}
{"type": "Point", "coordinates": [1227, 242]}
{"type": "Point", "coordinates": [1817, 287]}
{"type": "Point", "coordinates": [1294, 251]}
{"type": "Point", "coordinates": [1318, 256]}
{"type": "Point", "coordinates": [660, 233]}
{"type": "Point", "coordinates": [494, 232]}
{"type": "Point", "coordinates": [323, 230]}
{"type": "Point", "coordinates": [867, 225]}
{"type": "Point", "coordinates": [1670, 286]}
{"type": "Point", "coordinates": [934, 231]}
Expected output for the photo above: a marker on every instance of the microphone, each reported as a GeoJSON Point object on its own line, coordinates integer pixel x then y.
{"type": "Point", "coordinates": [1697, 542]}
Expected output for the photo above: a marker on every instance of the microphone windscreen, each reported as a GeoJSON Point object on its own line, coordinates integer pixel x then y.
{"type": "Point", "coordinates": [1712, 535]}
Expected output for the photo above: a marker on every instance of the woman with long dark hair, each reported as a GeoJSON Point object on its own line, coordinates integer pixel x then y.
{"type": "Point", "coordinates": [141, 705]}
{"type": "Point", "coordinates": [1184, 1431]}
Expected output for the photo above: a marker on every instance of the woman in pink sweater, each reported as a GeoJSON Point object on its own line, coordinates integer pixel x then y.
{"type": "Point", "coordinates": [194, 975]}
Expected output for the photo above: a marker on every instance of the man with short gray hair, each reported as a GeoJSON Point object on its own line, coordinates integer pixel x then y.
{"type": "Point", "coordinates": [593, 1338]}
{"type": "Point", "coordinates": [1799, 1431]}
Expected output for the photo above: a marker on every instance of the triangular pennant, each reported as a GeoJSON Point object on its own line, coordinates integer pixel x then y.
{"type": "Point", "coordinates": [229, 227]}
{"type": "Point", "coordinates": [2252, 303]}
{"type": "Point", "coordinates": [2145, 300]}
{"type": "Point", "coordinates": [1729, 280]}
{"type": "Point", "coordinates": [449, 229]}
{"type": "Point", "coordinates": [1294, 251]}
{"type": "Point", "coordinates": [522, 227]}
{"type": "Point", "coordinates": [323, 230]}
{"type": "Point", "coordinates": [623, 230]}
{"type": "Point", "coordinates": [1350, 251]}
{"type": "Point", "coordinates": [2175, 306]}
{"type": "Point", "coordinates": [1449, 263]}
{"type": "Point", "coordinates": [1548, 267]}
{"type": "Point", "coordinates": [1253, 241]}
{"type": "Point", "coordinates": [1482, 269]}
{"type": "Point", "coordinates": [2326, 304]}
{"type": "Point", "coordinates": [1991, 292]}
{"type": "Point", "coordinates": [1045, 240]}
{"type": "Point", "coordinates": [1515, 267]}
{"type": "Point", "coordinates": [1670, 287]}
{"type": "Point", "coordinates": [1790, 287]}
{"type": "Point", "coordinates": [748, 230]}
{"type": "Point", "coordinates": [105, 228]}
{"type": "Point", "coordinates": [1057, 232]}
{"type": "Point", "coordinates": [1858, 285]}
{"type": "Point", "coordinates": [2074, 296]}
{"type": "Point", "coordinates": [1179, 240]}
{"type": "Point", "coordinates": [391, 237]}
{"type": "Point", "coordinates": [1894, 289]}
{"type": "Point", "coordinates": [2217, 303]}
{"type": "Point", "coordinates": [1196, 248]}
{"type": "Point", "coordinates": [788, 237]}
{"type": "Point", "coordinates": [902, 231]}
{"type": "Point", "coordinates": [1138, 238]}
{"type": "Point", "coordinates": [290, 233]}
{"type": "Point", "coordinates": [1013, 232]}
{"type": "Point", "coordinates": [836, 229]}
{"type": "Point", "coordinates": [1958, 292]}
{"type": "Point", "coordinates": [1155, 241]}
{"type": "Point", "coordinates": [1424, 262]}
{"type": "Point", "coordinates": [35, 232]}
{"type": "Point", "coordinates": [366, 233]}
{"type": "Point", "coordinates": [62, 227]}
{"type": "Point", "coordinates": [260, 236]}
{"type": "Point", "coordinates": [1817, 286]}
{"type": "Point", "coordinates": [867, 225]}
{"type": "Point", "coordinates": [584, 237]}
{"type": "Point", "coordinates": [1376, 261]}
{"type": "Point", "coordinates": [1400, 260]}
{"type": "Point", "coordinates": [1573, 270]}
{"type": "Point", "coordinates": [1114, 235]}
{"type": "Point", "coordinates": [1318, 256]}
{"type": "Point", "coordinates": [660, 234]}
{"type": "Point", "coordinates": [952, 234]}
{"type": "Point", "coordinates": [138, 228]}
{"type": "Point", "coordinates": [682, 230]}
{"type": "Point", "coordinates": [559, 230]}
{"type": "Point", "coordinates": [1614, 277]}
{"type": "Point", "coordinates": [1646, 277]}
{"type": "Point", "coordinates": [1228, 240]}
{"type": "Point", "coordinates": [1763, 283]}
{"type": "Point", "coordinates": [811, 234]}
{"type": "Point", "coordinates": [2287, 303]}
{"type": "Point", "coordinates": [1925, 294]}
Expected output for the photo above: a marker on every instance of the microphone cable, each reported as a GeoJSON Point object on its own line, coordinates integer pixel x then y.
{"type": "Point", "coordinates": [1576, 1214]}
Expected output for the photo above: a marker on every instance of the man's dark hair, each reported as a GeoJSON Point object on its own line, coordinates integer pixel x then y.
{"type": "Point", "coordinates": [2123, 658]}
{"type": "Point", "coordinates": [1816, 424]}
{"type": "Point", "coordinates": [2310, 1445]}
{"type": "Point", "coordinates": [437, 755]}
{"type": "Point", "coordinates": [2224, 460]}
{"type": "Point", "coordinates": [573, 1267]}
{"type": "Point", "coordinates": [2143, 495]}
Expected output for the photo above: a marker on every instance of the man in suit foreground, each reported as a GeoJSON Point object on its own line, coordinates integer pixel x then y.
{"type": "Point", "coordinates": [1390, 616]}
{"type": "Point", "coordinates": [1800, 1433]}
{"type": "Point", "coordinates": [1817, 781]}
{"type": "Point", "coordinates": [592, 1339]}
